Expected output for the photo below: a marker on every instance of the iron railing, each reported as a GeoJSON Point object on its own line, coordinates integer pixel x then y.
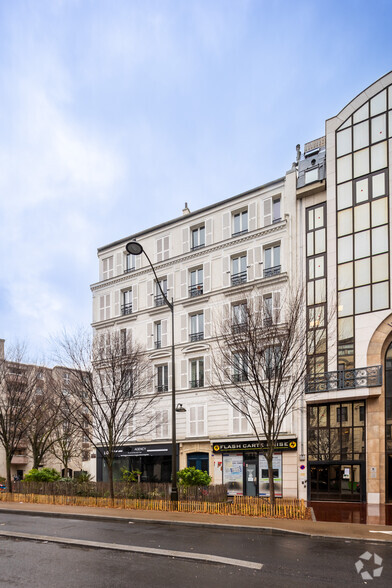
{"type": "Point", "coordinates": [126, 308]}
{"type": "Point", "coordinates": [239, 327]}
{"type": "Point", "coordinates": [366, 377]}
{"type": "Point", "coordinates": [239, 233]}
{"type": "Point", "coordinates": [159, 300]}
{"type": "Point", "coordinates": [162, 387]}
{"type": "Point", "coordinates": [239, 278]}
{"type": "Point", "coordinates": [196, 290]}
{"type": "Point", "coordinates": [158, 344]}
{"type": "Point", "coordinates": [194, 247]}
{"type": "Point", "coordinates": [272, 271]}
{"type": "Point", "coordinates": [196, 383]}
{"type": "Point", "coordinates": [197, 336]}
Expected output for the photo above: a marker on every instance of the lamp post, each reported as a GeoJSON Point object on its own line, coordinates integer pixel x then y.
{"type": "Point", "coordinates": [135, 248]}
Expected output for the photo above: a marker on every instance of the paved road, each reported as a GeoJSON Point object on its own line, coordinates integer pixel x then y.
{"type": "Point", "coordinates": [287, 560]}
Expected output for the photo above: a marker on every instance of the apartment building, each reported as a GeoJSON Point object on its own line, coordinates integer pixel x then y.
{"type": "Point", "coordinates": [324, 225]}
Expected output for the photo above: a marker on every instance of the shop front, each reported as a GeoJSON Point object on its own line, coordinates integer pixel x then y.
{"type": "Point", "coordinates": [245, 468]}
{"type": "Point", "coordinates": [153, 461]}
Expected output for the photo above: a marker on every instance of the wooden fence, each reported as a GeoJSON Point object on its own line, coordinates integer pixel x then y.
{"type": "Point", "coordinates": [287, 509]}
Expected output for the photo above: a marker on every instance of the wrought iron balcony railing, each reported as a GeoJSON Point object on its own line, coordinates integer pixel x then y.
{"type": "Point", "coordinates": [240, 377]}
{"type": "Point", "coordinates": [159, 300]}
{"type": "Point", "coordinates": [239, 278]}
{"type": "Point", "coordinates": [126, 308]}
{"type": "Point", "coordinates": [158, 344]}
{"type": "Point", "coordinates": [236, 233]}
{"type": "Point", "coordinates": [367, 377]}
{"type": "Point", "coordinates": [197, 336]}
{"type": "Point", "coordinates": [199, 246]}
{"type": "Point", "coordinates": [196, 290]}
{"type": "Point", "coordinates": [129, 269]}
{"type": "Point", "coordinates": [196, 383]}
{"type": "Point", "coordinates": [162, 387]}
{"type": "Point", "coordinates": [239, 327]}
{"type": "Point", "coordinates": [272, 271]}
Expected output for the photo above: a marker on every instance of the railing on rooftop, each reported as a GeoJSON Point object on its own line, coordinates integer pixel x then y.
{"type": "Point", "coordinates": [367, 377]}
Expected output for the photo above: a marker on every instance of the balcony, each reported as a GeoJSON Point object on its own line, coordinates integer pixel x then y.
{"type": "Point", "coordinates": [162, 387]}
{"type": "Point", "coordinates": [196, 290]}
{"type": "Point", "coordinates": [196, 336]}
{"type": "Point", "coordinates": [367, 377]}
{"type": "Point", "coordinates": [19, 460]}
{"type": "Point", "coordinates": [158, 344]}
{"type": "Point", "coordinates": [237, 233]}
{"type": "Point", "coordinates": [196, 383]}
{"type": "Point", "coordinates": [195, 247]}
{"type": "Point", "coordinates": [239, 327]}
{"type": "Point", "coordinates": [237, 279]}
{"type": "Point", "coordinates": [128, 270]}
{"type": "Point", "coordinates": [126, 308]}
{"type": "Point", "coordinates": [240, 377]}
{"type": "Point", "coordinates": [159, 300]}
{"type": "Point", "coordinates": [272, 271]}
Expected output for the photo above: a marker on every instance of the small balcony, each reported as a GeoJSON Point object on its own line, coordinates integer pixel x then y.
{"type": "Point", "coordinates": [196, 336]}
{"type": "Point", "coordinates": [159, 300]}
{"type": "Point", "coordinates": [367, 377]}
{"type": "Point", "coordinates": [128, 270]}
{"type": "Point", "coordinates": [196, 383]}
{"type": "Point", "coordinates": [126, 308]}
{"type": "Point", "coordinates": [158, 344]}
{"type": "Point", "coordinates": [239, 327]}
{"type": "Point", "coordinates": [162, 387]}
{"type": "Point", "coordinates": [272, 271]}
{"type": "Point", "coordinates": [240, 377]}
{"type": "Point", "coordinates": [195, 247]}
{"type": "Point", "coordinates": [196, 290]}
{"type": "Point", "coordinates": [237, 279]}
{"type": "Point", "coordinates": [19, 460]}
{"type": "Point", "coordinates": [237, 233]}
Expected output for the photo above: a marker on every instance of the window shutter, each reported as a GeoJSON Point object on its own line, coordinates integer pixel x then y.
{"type": "Point", "coordinates": [159, 249]}
{"type": "Point", "coordinates": [207, 277]}
{"type": "Point", "coordinates": [119, 263]}
{"type": "Point", "coordinates": [267, 212]}
{"type": "Point", "coordinates": [117, 298]}
{"type": "Point", "coordinates": [250, 266]}
{"type": "Point", "coordinates": [96, 307]}
{"type": "Point", "coordinates": [252, 216]}
{"type": "Point", "coordinates": [184, 330]}
{"type": "Point", "coordinates": [111, 271]}
{"type": "Point", "coordinates": [164, 332]}
{"type": "Point", "coordinates": [209, 231]}
{"type": "Point", "coordinates": [207, 370]}
{"type": "Point", "coordinates": [134, 298]}
{"type": "Point", "coordinates": [107, 305]}
{"type": "Point", "coordinates": [170, 287]}
{"type": "Point", "coordinates": [226, 225]}
{"type": "Point", "coordinates": [276, 306]}
{"type": "Point", "coordinates": [102, 308]}
{"type": "Point", "coordinates": [184, 284]}
{"type": "Point", "coordinates": [258, 267]}
{"type": "Point", "coordinates": [202, 429]}
{"type": "Point", "coordinates": [207, 323]}
{"type": "Point", "coordinates": [150, 335]}
{"type": "Point", "coordinates": [166, 246]}
{"type": "Point", "coordinates": [184, 374]}
{"type": "Point", "coordinates": [150, 293]}
{"type": "Point", "coordinates": [185, 240]}
{"type": "Point", "coordinates": [226, 271]}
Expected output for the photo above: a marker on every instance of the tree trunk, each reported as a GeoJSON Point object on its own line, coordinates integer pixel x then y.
{"type": "Point", "coordinates": [8, 466]}
{"type": "Point", "coordinates": [111, 484]}
{"type": "Point", "coordinates": [271, 479]}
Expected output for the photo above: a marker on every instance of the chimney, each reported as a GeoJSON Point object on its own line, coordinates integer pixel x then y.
{"type": "Point", "coordinates": [2, 341]}
{"type": "Point", "coordinates": [185, 210]}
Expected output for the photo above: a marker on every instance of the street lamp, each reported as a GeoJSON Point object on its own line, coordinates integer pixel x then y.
{"type": "Point", "coordinates": [135, 248]}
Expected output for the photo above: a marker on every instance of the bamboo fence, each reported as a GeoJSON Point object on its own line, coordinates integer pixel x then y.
{"type": "Point", "coordinates": [285, 509]}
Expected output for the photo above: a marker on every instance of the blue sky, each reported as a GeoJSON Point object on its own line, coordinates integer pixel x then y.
{"type": "Point", "coordinates": [113, 114]}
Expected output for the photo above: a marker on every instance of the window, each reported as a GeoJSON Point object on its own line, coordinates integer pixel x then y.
{"type": "Point", "coordinates": [196, 282]}
{"type": "Point", "coordinates": [271, 261]}
{"type": "Point", "coordinates": [240, 367]}
{"type": "Point", "coordinates": [39, 391]}
{"type": "Point", "coordinates": [126, 307]}
{"type": "Point", "coordinates": [130, 263]}
{"type": "Point", "coordinates": [267, 310]}
{"type": "Point", "coordinates": [162, 424]}
{"type": "Point", "coordinates": [197, 373]}
{"type": "Point", "coordinates": [198, 237]}
{"type": "Point", "coordinates": [240, 422]}
{"type": "Point", "coordinates": [239, 317]}
{"type": "Point", "coordinates": [107, 268]}
{"type": "Point", "coordinates": [197, 424]}
{"type": "Point", "coordinates": [158, 335]}
{"type": "Point", "coordinates": [128, 383]}
{"type": "Point", "coordinates": [240, 223]}
{"type": "Point", "coordinates": [341, 414]}
{"type": "Point", "coordinates": [159, 299]}
{"type": "Point", "coordinates": [272, 361]}
{"type": "Point", "coordinates": [66, 378]}
{"type": "Point", "coordinates": [276, 210]}
{"type": "Point", "coordinates": [312, 175]}
{"type": "Point", "coordinates": [238, 270]}
{"type": "Point", "coordinates": [197, 327]}
{"type": "Point", "coordinates": [162, 378]}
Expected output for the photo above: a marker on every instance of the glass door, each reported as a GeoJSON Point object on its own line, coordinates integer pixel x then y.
{"type": "Point", "coordinates": [250, 477]}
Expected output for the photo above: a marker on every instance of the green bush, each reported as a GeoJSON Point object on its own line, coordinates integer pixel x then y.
{"type": "Point", "coordinates": [193, 477]}
{"type": "Point", "coordinates": [42, 475]}
{"type": "Point", "coordinates": [130, 475]}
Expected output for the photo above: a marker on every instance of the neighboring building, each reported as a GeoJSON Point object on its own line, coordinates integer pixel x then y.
{"type": "Point", "coordinates": [325, 225]}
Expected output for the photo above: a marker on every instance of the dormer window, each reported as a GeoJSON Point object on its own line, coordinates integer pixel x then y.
{"type": "Point", "coordinates": [312, 175]}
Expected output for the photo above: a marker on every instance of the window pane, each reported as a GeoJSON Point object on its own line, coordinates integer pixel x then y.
{"type": "Point", "coordinates": [343, 142]}
{"type": "Point", "coordinates": [319, 217]}
{"type": "Point", "coordinates": [378, 185]}
{"type": "Point", "coordinates": [361, 135]}
{"type": "Point", "coordinates": [319, 267]}
{"type": "Point", "coordinates": [379, 212]}
{"type": "Point", "coordinates": [345, 276]}
{"type": "Point", "coordinates": [311, 269]}
{"type": "Point", "coordinates": [362, 299]}
{"type": "Point", "coordinates": [379, 240]}
{"type": "Point", "coordinates": [380, 268]}
{"type": "Point", "coordinates": [345, 197]}
{"type": "Point", "coordinates": [362, 217]}
{"type": "Point", "coordinates": [361, 163]}
{"type": "Point", "coordinates": [362, 113]}
{"type": "Point", "coordinates": [344, 172]}
{"type": "Point", "coordinates": [309, 241]}
{"type": "Point", "coordinates": [362, 272]}
{"type": "Point", "coordinates": [345, 222]}
{"type": "Point", "coordinates": [312, 175]}
{"type": "Point", "coordinates": [320, 291]}
{"type": "Point", "coordinates": [276, 255]}
{"type": "Point", "coordinates": [390, 123]}
{"type": "Point", "coordinates": [345, 303]}
{"type": "Point", "coordinates": [267, 258]}
{"type": "Point", "coordinates": [380, 296]}
{"type": "Point", "coordinates": [345, 328]}
{"type": "Point", "coordinates": [379, 128]}
{"type": "Point", "coordinates": [310, 293]}
{"type": "Point", "coordinates": [311, 219]}
{"type": "Point", "coordinates": [362, 190]}
{"type": "Point", "coordinates": [378, 103]}
{"type": "Point", "coordinates": [345, 249]}
{"type": "Point", "coordinates": [362, 244]}
{"type": "Point", "coordinates": [379, 156]}
{"type": "Point", "coordinates": [319, 241]}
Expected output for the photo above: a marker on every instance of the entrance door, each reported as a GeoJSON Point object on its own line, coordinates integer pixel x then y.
{"type": "Point", "coordinates": [250, 478]}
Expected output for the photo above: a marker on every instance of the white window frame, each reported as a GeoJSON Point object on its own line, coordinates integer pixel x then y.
{"type": "Point", "coordinates": [240, 220]}
{"type": "Point", "coordinates": [164, 368]}
{"type": "Point", "coordinates": [200, 234]}
{"type": "Point", "coordinates": [196, 326]}
{"type": "Point", "coordinates": [199, 372]}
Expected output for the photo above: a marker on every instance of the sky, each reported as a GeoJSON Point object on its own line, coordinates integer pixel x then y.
{"type": "Point", "coordinates": [113, 114]}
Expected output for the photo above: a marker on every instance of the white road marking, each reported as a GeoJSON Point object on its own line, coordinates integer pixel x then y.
{"type": "Point", "coordinates": [132, 548]}
{"type": "Point", "coordinates": [385, 532]}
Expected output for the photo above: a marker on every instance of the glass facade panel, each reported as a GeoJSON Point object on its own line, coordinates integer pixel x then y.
{"type": "Point", "coordinates": [345, 303]}
{"type": "Point", "coordinates": [362, 272]}
{"type": "Point", "coordinates": [361, 162]}
{"type": "Point", "coordinates": [378, 185]}
{"type": "Point", "coordinates": [362, 244]}
{"type": "Point", "coordinates": [334, 448]}
{"type": "Point", "coordinates": [379, 129]}
{"type": "Point", "coordinates": [319, 267]}
{"type": "Point", "coordinates": [319, 217]}
{"type": "Point", "coordinates": [390, 122]}
{"type": "Point", "coordinates": [361, 135]}
{"type": "Point", "coordinates": [380, 268]}
{"type": "Point", "coordinates": [345, 328]}
{"type": "Point", "coordinates": [319, 241]}
{"type": "Point", "coordinates": [309, 244]}
{"type": "Point", "coordinates": [345, 197]}
{"type": "Point", "coordinates": [362, 217]}
{"type": "Point", "coordinates": [345, 222]}
{"type": "Point", "coordinates": [344, 171]}
{"type": "Point", "coordinates": [362, 113]}
{"type": "Point", "coordinates": [362, 190]}
{"type": "Point", "coordinates": [378, 103]}
{"type": "Point", "coordinates": [311, 269]}
{"type": "Point", "coordinates": [380, 295]}
{"type": "Point", "coordinates": [320, 291]}
{"type": "Point", "coordinates": [379, 212]}
{"type": "Point", "coordinates": [310, 293]}
{"type": "Point", "coordinates": [345, 249]}
{"type": "Point", "coordinates": [380, 240]}
{"type": "Point", "coordinates": [362, 299]}
{"type": "Point", "coordinates": [379, 156]}
{"type": "Point", "coordinates": [343, 142]}
{"type": "Point", "coordinates": [345, 276]}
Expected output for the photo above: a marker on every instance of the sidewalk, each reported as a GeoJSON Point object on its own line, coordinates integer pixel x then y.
{"type": "Point", "coordinates": [311, 528]}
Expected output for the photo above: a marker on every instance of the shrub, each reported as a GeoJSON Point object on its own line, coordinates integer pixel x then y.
{"type": "Point", "coordinates": [131, 475]}
{"type": "Point", "coordinates": [42, 475]}
{"type": "Point", "coordinates": [193, 477]}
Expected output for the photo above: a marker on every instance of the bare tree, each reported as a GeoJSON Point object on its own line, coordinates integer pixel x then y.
{"type": "Point", "coordinates": [261, 365]}
{"type": "Point", "coordinates": [111, 390]}
{"type": "Point", "coordinates": [18, 385]}
{"type": "Point", "coordinates": [67, 445]}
